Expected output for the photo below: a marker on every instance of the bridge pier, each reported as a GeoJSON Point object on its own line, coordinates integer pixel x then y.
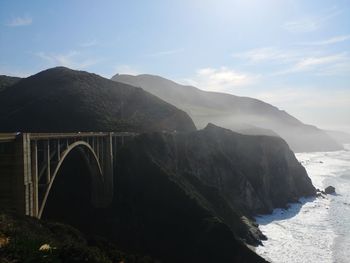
{"type": "Point", "coordinates": [108, 167]}
{"type": "Point", "coordinates": [22, 175]}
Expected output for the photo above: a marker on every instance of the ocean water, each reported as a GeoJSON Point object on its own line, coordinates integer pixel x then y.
{"type": "Point", "coordinates": [317, 229]}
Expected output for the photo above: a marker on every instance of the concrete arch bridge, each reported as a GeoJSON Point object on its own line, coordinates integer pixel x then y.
{"type": "Point", "coordinates": [30, 163]}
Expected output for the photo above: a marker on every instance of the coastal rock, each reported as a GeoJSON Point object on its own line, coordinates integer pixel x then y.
{"type": "Point", "coordinates": [329, 190]}
{"type": "Point", "coordinates": [320, 193]}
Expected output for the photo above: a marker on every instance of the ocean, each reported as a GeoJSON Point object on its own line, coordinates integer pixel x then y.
{"type": "Point", "coordinates": [316, 229]}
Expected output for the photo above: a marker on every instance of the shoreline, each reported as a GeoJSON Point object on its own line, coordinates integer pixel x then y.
{"type": "Point", "coordinates": [311, 230]}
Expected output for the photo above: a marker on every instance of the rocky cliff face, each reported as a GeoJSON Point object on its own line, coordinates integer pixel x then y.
{"type": "Point", "coordinates": [191, 195]}
{"type": "Point", "coordinates": [257, 173]}
{"type": "Point", "coordinates": [65, 100]}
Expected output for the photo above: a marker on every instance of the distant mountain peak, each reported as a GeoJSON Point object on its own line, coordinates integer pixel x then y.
{"type": "Point", "coordinates": [241, 114]}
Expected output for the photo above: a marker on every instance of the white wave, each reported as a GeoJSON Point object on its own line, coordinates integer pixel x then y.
{"type": "Point", "coordinates": [316, 230]}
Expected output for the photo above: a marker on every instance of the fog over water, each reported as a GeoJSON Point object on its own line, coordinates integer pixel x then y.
{"type": "Point", "coordinates": [316, 230]}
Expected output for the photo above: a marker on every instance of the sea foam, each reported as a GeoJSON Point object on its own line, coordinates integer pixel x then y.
{"type": "Point", "coordinates": [316, 229]}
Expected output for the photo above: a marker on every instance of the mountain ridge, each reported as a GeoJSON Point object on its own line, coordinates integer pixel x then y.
{"type": "Point", "coordinates": [7, 81]}
{"type": "Point", "coordinates": [242, 114]}
{"type": "Point", "coordinates": [68, 100]}
{"type": "Point", "coordinates": [180, 193]}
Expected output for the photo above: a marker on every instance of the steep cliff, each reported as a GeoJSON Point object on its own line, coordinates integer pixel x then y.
{"type": "Point", "coordinates": [191, 195]}
{"type": "Point", "coordinates": [61, 99]}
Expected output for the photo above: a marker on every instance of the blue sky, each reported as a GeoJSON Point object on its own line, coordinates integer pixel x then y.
{"type": "Point", "coordinates": [291, 53]}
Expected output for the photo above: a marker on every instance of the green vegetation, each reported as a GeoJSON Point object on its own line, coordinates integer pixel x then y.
{"type": "Point", "coordinates": [65, 100]}
{"type": "Point", "coordinates": [7, 81]}
{"type": "Point", "coordinates": [28, 240]}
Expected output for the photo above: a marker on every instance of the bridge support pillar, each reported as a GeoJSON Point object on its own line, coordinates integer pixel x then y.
{"type": "Point", "coordinates": [23, 183]}
{"type": "Point", "coordinates": [108, 167]}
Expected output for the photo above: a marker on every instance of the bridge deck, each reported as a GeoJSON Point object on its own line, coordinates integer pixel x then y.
{"type": "Point", "coordinates": [7, 137]}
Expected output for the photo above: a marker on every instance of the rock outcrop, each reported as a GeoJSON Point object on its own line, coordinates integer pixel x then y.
{"type": "Point", "coordinates": [61, 99]}
{"type": "Point", "coordinates": [329, 190]}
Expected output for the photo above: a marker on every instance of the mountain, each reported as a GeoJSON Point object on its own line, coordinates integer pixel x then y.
{"type": "Point", "coordinates": [191, 196]}
{"type": "Point", "coordinates": [241, 114]}
{"type": "Point", "coordinates": [61, 99]}
{"type": "Point", "coordinates": [339, 136]}
{"type": "Point", "coordinates": [179, 196]}
{"type": "Point", "coordinates": [7, 81]}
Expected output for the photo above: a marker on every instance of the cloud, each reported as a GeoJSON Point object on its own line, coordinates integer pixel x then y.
{"type": "Point", "coordinates": [221, 79]}
{"type": "Point", "coordinates": [310, 23]}
{"type": "Point", "coordinates": [307, 97]}
{"type": "Point", "coordinates": [90, 43]}
{"type": "Point", "coordinates": [165, 52]}
{"type": "Point", "coordinates": [303, 25]}
{"type": "Point", "coordinates": [322, 65]}
{"type": "Point", "coordinates": [20, 21]}
{"type": "Point", "coordinates": [299, 60]}
{"type": "Point", "coordinates": [126, 69]}
{"type": "Point", "coordinates": [71, 59]}
{"type": "Point", "coordinates": [329, 41]}
{"type": "Point", "coordinates": [308, 63]}
{"type": "Point", "coordinates": [267, 54]}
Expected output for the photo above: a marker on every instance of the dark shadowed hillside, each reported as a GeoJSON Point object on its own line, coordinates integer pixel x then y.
{"type": "Point", "coordinates": [7, 81]}
{"type": "Point", "coordinates": [191, 195]}
{"type": "Point", "coordinates": [242, 114]}
{"type": "Point", "coordinates": [61, 99]}
{"type": "Point", "coordinates": [22, 237]}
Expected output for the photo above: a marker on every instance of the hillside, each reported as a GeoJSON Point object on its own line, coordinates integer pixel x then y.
{"type": "Point", "coordinates": [241, 114]}
{"type": "Point", "coordinates": [22, 237]}
{"type": "Point", "coordinates": [61, 99]}
{"type": "Point", "coordinates": [186, 197]}
{"type": "Point", "coordinates": [179, 196]}
{"type": "Point", "coordinates": [340, 137]}
{"type": "Point", "coordinates": [192, 195]}
{"type": "Point", "coordinates": [7, 81]}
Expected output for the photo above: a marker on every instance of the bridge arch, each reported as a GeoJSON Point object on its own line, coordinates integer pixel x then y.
{"type": "Point", "coordinates": [85, 149]}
